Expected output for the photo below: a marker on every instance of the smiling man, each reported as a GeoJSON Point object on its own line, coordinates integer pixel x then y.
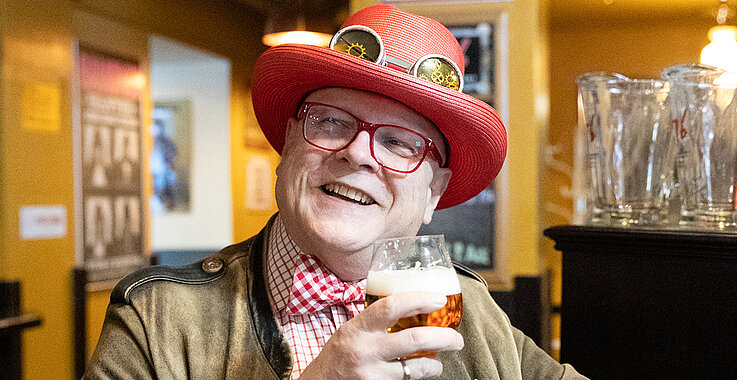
{"type": "Point", "coordinates": [335, 204]}
{"type": "Point", "coordinates": [374, 135]}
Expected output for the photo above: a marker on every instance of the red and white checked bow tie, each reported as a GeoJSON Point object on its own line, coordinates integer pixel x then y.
{"type": "Point", "coordinates": [315, 287]}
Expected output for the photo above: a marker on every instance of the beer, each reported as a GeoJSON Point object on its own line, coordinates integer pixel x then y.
{"type": "Point", "coordinates": [438, 279]}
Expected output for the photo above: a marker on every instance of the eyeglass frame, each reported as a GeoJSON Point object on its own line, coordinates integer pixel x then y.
{"type": "Point", "coordinates": [384, 59]}
{"type": "Point", "coordinates": [370, 128]}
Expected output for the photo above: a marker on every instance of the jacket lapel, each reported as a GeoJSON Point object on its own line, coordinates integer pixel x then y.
{"type": "Point", "coordinates": [274, 345]}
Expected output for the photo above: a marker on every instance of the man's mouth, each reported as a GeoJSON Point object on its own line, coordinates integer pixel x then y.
{"type": "Point", "coordinates": [348, 194]}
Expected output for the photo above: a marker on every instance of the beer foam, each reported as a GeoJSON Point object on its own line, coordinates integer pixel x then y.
{"type": "Point", "coordinates": [435, 279]}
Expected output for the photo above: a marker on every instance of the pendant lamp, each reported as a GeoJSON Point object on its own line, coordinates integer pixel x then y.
{"type": "Point", "coordinates": [289, 25]}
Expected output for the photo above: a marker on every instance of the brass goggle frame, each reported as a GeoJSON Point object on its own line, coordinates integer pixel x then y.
{"type": "Point", "coordinates": [363, 42]}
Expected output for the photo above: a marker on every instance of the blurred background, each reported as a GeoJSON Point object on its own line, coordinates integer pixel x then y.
{"type": "Point", "coordinates": [128, 137]}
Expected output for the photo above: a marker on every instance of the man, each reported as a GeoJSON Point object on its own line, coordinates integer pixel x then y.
{"type": "Point", "coordinates": [369, 151]}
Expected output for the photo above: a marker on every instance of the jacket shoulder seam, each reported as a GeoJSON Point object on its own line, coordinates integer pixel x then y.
{"type": "Point", "coordinates": [164, 277]}
{"type": "Point", "coordinates": [192, 274]}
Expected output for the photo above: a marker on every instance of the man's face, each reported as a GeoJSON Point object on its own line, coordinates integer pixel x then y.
{"type": "Point", "coordinates": [335, 228]}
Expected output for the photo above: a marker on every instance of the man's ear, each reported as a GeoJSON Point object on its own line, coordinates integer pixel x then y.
{"type": "Point", "coordinates": [292, 124]}
{"type": "Point", "coordinates": [437, 187]}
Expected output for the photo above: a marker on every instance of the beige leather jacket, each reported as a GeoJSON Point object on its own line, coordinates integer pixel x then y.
{"type": "Point", "coordinates": [212, 320]}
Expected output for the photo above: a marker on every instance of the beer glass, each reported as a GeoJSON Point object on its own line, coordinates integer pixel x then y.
{"type": "Point", "coordinates": [411, 264]}
{"type": "Point", "coordinates": [630, 148]}
{"type": "Point", "coordinates": [705, 116]}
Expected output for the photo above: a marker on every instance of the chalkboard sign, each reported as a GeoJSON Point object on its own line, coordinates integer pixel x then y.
{"type": "Point", "coordinates": [477, 43]}
{"type": "Point", "coordinates": [468, 230]}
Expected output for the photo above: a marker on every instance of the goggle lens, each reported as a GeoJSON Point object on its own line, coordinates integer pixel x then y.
{"type": "Point", "coordinates": [359, 43]}
{"type": "Point", "coordinates": [438, 70]}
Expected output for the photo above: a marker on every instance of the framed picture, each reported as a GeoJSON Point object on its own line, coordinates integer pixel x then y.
{"type": "Point", "coordinates": [171, 156]}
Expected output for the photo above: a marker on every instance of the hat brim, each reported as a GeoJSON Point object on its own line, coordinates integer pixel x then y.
{"type": "Point", "coordinates": [285, 74]}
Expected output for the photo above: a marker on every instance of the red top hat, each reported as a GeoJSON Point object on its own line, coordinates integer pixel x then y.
{"type": "Point", "coordinates": [285, 74]}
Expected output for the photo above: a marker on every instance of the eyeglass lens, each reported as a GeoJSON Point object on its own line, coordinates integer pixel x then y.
{"type": "Point", "coordinates": [393, 147]}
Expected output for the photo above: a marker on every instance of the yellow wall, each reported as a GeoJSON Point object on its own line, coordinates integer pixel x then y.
{"type": "Point", "coordinates": [246, 143]}
{"type": "Point", "coordinates": [97, 302]}
{"type": "Point", "coordinates": [36, 169]}
{"type": "Point", "coordinates": [527, 125]}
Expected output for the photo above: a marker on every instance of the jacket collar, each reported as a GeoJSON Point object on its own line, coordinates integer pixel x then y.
{"type": "Point", "coordinates": [274, 345]}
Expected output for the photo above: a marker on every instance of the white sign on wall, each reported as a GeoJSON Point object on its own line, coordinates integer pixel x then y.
{"type": "Point", "coordinates": [43, 222]}
{"type": "Point", "coordinates": [259, 184]}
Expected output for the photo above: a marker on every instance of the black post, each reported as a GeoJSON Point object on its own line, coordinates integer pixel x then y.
{"type": "Point", "coordinates": [79, 280]}
{"type": "Point", "coordinates": [10, 338]}
{"type": "Point", "coordinates": [528, 307]}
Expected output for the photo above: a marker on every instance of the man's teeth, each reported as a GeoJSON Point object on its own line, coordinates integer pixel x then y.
{"type": "Point", "coordinates": [351, 194]}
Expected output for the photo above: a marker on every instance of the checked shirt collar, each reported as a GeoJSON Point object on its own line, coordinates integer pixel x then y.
{"type": "Point", "coordinates": [314, 287]}
{"type": "Point", "coordinates": [300, 284]}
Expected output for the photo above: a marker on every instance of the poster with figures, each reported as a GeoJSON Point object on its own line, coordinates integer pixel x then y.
{"type": "Point", "coordinates": [111, 166]}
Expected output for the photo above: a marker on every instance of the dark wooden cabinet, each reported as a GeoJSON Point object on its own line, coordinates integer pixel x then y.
{"type": "Point", "coordinates": [648, 304]}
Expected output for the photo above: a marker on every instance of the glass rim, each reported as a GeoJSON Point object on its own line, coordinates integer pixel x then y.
{"type": "Point", "coordinates": [392, 247]}
{"type": "Point", "coordinates": [592, 79]}
{"type": "Point", "coordinates": [415, 237]}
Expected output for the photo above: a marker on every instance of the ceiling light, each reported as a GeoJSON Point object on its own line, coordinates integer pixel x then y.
{"type": "Point", "coordinates": [289, 26]}
{"type": "Point", "coordinates": [721, 52]}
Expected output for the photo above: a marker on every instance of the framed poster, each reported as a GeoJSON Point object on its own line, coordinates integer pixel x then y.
{"type": "Point", "coordinates": [111, 146]}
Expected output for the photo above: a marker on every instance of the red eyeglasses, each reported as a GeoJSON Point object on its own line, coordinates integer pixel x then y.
{"type": "Point", "coordinates": [395, 148]}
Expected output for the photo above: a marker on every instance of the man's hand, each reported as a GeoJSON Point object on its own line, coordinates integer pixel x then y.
{"type": "Point", "coordinates": [362, 348]}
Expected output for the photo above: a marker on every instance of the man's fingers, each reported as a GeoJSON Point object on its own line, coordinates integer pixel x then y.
{"type": "Point", "coordinates": [410, 341]}
{"type": "Point", "coordinates": [385, 312]}
{"type": "Point", "coordinates": [421, 368]}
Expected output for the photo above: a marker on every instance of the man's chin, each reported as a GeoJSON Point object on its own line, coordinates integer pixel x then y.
{"type": "Point", "coordinates": [352, 241]}
{"type": "Point", "coordinates": [344, 237]}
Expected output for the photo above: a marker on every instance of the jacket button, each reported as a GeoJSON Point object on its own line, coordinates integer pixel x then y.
{"type": "Point", "coordinates": [212, 265]}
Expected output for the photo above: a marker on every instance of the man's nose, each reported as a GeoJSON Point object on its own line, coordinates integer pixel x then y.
{"type": "Point", "coordinates": [358, 153]}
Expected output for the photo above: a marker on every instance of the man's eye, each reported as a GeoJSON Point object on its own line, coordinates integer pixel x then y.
{"type": "Point", "coordinates": [333, 127]}
{"type": "Point", "coordinates": [400, 147]}
{"type": "Point", "coordinates": [396, 143]}
{"type": "Point", "coordinates": [334, 123]}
